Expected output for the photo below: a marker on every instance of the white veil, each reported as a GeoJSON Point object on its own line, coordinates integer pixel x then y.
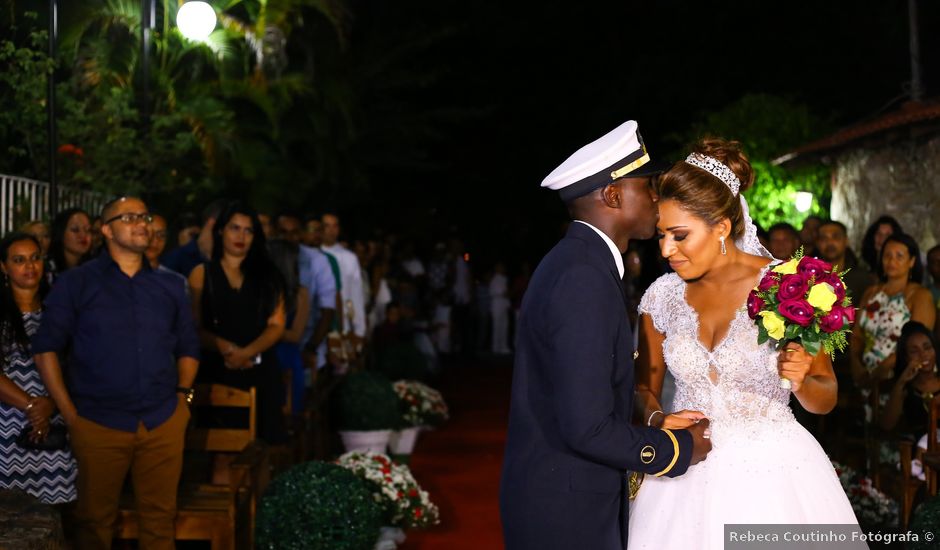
{"type": "Point", "coordinates": [749, 242]}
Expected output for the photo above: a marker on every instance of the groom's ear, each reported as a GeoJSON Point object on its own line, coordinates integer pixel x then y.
{"type": "Point", "coordinates": [612, 195]}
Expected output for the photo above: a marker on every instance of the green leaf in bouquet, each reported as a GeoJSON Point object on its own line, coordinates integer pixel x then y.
{"type": "Point", "coordinates": [793, 330]}
{"type": "Point", "coordinates": [762, 336]}
{"type": "Point", "coordinates": [811, 348]}
{"type": "Point", "coordinates": [811, 336]}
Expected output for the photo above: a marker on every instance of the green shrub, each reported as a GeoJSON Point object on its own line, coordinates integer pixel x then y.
{"type": "Point", "coordinates": [318, 506]}
{"type": "Point", "coordinates": [366, 401]}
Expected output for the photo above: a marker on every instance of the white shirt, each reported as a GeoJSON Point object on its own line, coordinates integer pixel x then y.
{"type": "Point", "coordinates": [352, 290]}
{"type": "Point", "coordinates": [618, 257]}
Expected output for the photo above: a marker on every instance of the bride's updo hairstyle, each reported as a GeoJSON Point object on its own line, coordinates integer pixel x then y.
{"type": "Point", "coordinates": [702, 194]}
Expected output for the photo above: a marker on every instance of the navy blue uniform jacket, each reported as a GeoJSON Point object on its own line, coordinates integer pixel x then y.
{"type": "Point", "coordinates": [570, 439]}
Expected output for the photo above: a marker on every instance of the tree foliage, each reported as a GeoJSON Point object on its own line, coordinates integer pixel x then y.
{"type": "Point", "coordinates": [768, 126]}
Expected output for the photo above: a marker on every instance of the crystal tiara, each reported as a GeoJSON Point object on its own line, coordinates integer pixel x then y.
{"type": "Point", "coordinates": [716, 168]}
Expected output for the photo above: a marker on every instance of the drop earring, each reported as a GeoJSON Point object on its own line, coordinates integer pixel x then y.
{"type": "Point", "coordinates": [724, 251]}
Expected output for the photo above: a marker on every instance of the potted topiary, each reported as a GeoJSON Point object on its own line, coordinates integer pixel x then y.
{"type": "Point", "coordinates": [421, 407]}
{"type": "Point", "coordinates": [366, 408]}
{"type": "Point", "coordinates": [319, 506]}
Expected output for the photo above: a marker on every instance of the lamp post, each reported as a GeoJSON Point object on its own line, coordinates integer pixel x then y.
{"type": "Point", "coordinates": [196, 20]}
{"type": "Point", "coordinates": [50, 108]}
{"type": "Point", "coordinates": [147, 17]}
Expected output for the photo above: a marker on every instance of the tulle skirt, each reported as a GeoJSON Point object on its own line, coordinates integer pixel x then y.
{"type": "Point", "coordinates": [757, 473]}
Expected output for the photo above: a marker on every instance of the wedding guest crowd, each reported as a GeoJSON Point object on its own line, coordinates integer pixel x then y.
{"type": "Point", "coordinates": [107, 342]}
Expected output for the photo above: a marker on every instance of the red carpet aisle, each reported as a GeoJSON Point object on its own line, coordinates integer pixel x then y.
{"type": "Point", "coordinates": [459, 464]}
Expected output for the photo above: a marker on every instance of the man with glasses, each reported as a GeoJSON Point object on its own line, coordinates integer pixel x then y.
{"type": "Point", "coordinates": [132, 354]}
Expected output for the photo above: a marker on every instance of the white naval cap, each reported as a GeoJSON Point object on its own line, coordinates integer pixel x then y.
{"type": "Point", "coordinates": [618, 154]}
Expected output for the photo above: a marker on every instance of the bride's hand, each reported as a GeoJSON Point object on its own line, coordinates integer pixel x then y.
{"type": "Point", "coordinates": [681, 420]}
{"type": "Point", "coordinates": [793, 363]}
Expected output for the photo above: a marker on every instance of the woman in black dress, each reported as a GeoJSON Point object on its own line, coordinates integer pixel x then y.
{"type": "Point", "coordinates": [908, 406]}
{"type": "Point", "coordinates": [238, 300]}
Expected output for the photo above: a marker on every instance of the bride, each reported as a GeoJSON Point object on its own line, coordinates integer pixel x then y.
{"type": "Point", "coordinates": [764, 466]}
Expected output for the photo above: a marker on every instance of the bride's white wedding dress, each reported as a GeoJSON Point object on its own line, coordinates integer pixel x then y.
{"type": "Point", "coordinates": [764, 467]}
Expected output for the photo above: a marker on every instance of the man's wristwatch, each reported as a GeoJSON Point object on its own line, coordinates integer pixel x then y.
{"type": "Point", "coordinates": [187, 393]}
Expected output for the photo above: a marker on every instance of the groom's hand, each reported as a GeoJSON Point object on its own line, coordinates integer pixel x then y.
{"type": "Point", "coordinates": [681, 420]}
{"type": "Point", "coordinates": [701, 442]}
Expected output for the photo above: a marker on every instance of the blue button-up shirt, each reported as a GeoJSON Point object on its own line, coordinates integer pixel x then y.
{"type": "Point", "coordinates": [123, 335]}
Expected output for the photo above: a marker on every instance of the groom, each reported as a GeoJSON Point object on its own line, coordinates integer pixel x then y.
{"type": "Point", "coordinates": [570, 437]}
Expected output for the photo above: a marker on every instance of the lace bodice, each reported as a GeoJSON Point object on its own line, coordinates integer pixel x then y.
{"type": "Point", "coordinates": [737, 381]}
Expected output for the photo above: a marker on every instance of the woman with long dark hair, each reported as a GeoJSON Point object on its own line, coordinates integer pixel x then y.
{"type": "Point", "coordinates": [238, 300]}
{"type": "Point", "coordinates": [71, 241]}
{"type": "Point", "coordinates": [874, 239]}
{"type": "Point", "coordinates": [908, 407]}
{"type": "Point", "coordinates": [886, 307]}
{"type": "Point", "coordinates": [27, 413]}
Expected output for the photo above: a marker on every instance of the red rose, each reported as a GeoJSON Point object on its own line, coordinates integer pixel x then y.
{"type": "Point", "coordinates": [799, 311]}
{"type": "Point", "coordinates": [769, 280]}
{"type": "Point", "coordinates": [835, 282]}
{"type": "Point", "coordinates": [754, 304]}
{"type": "Point", "coordinates": [413, 492]}
{"type": "Point", "coordinates": [834, 320]}
{"type": "Point", "coordinates": [418, 513]}
{"type": "Point", "coordinates": [813, 266]}
{"type": "Point", "coordinates": [850, 314]}
{"type": "Point", "coordinates": [792, 287]}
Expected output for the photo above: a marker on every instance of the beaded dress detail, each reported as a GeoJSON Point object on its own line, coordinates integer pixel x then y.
{"type": "Point", "coordinates": [764, 467]}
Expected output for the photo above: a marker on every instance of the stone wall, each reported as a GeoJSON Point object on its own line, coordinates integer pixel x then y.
{"type": "Point", "coordinates": [901, 179]}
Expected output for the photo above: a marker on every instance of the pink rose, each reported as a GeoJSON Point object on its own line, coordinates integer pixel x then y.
{"type": "Point", "coordinates": [799, 311]}
{"type": "Point", "coordinates": [813, 266]}
{"type": "Point", "coordinates": [850, 314]}
{"type": "Point", "coordinates": [769, 280]}
{"type": "Point", "coordinates": [792, 287]}
{"type": "Point", "coordinates": [754, 304]}
{"type": "Point", "coordinates": [835, 319]}
{"type": "Point", "coordinates": [835, 282]}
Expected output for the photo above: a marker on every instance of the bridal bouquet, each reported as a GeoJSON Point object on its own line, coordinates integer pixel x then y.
{"type": "Point", "coordinates": [421, 405]}
{"type": "Point", "coordinates": [803, 300]}
{"type": "Point", "coordinates": [395, 489]}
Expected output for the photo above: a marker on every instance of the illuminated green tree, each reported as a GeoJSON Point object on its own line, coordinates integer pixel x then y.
{"type": "Point", "coordinates": [769, 126]}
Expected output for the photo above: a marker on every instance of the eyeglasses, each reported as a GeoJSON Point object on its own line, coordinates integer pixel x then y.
{"type": "Point", "coordinates": [132, 218]}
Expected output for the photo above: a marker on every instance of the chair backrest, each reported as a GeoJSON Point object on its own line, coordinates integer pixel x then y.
{"type": "Point", "coordinates": [212, 398]}
{"type": "Point", "coordinates": [932, 445]}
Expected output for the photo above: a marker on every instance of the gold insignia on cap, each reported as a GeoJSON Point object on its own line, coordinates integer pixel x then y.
{"type": "Point", "coordinates": [616, 174]}
{"type": "Point", "coordinates": [648, 454]}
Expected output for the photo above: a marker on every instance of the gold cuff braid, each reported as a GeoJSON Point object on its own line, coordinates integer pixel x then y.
{"type": "Point", "coordinates": [675, 454]}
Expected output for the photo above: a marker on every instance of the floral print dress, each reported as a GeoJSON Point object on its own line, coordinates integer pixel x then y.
{"type": "Point", "coordinates": [881, 322]}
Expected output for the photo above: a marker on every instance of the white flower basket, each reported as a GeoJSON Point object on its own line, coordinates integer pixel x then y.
{"type": "Point", "coordinates": [403, 442]}
{"type": "Point", "coordinates": [372, 441]}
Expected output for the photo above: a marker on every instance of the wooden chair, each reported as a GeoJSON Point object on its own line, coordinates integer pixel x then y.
{"type": "Point", "coordinates": [931, 458]}
{"type": "Point", "coordinates": [223, 514]}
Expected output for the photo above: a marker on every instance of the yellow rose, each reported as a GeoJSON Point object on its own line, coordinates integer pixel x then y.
{"type": "Point", "coordinates": [821, 296]}
{"type": "Point", "coordinates": [788, 268]}
{"type": "Point", "coordinates": [774, 324]}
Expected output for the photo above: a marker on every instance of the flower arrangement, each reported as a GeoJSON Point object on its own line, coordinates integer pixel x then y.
{"type": "Point", "coordinates": [872, 507]}
{"type": "Point", "coordinates": [803, 300]}
{"type": "Point", "coordinates": [421, 405]}
{"type": "Point", "coordinates": [318, 506]}
{"type": "Point", "coordinates": [395, 489]}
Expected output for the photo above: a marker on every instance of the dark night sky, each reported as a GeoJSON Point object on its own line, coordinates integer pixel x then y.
{"type": "Point", "coordinates": [538, 80]}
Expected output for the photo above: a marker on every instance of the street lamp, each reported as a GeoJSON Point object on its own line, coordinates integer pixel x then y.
{"type": "Point", "coordinates": [804, 200]}
{"type": "Point", "coordinates": [196, 20]}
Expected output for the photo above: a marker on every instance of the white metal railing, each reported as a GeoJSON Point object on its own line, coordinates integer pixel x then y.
{"type": "Point", "coordinates": [23, 200]}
